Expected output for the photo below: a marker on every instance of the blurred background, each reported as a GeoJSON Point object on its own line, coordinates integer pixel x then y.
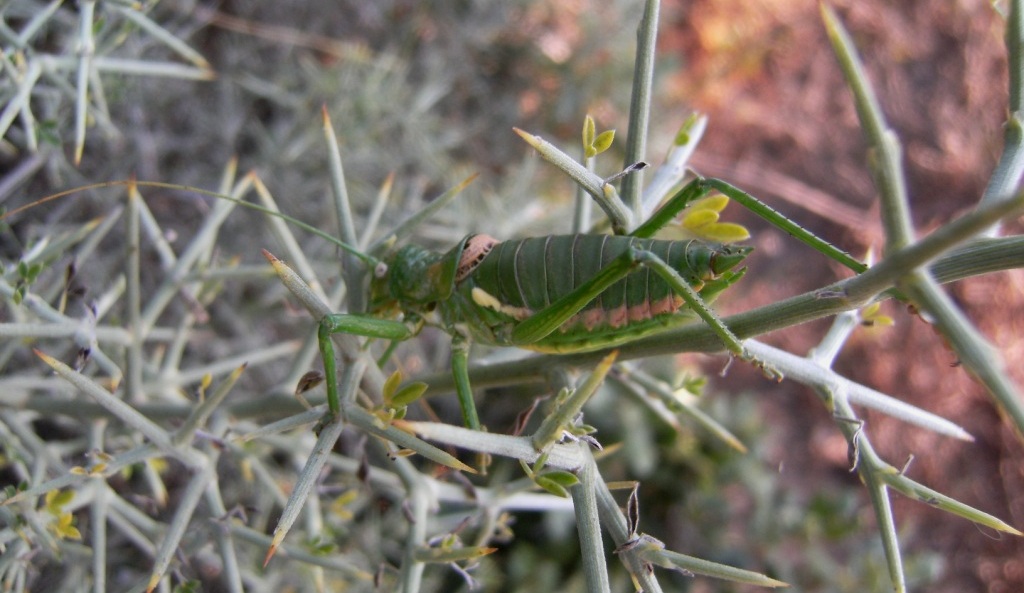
{"type": "Point", "coordinates": [431, 90]}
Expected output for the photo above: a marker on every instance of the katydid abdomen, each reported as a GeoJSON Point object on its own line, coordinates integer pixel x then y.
{"type": "Point", "coordinates": [500, 284]}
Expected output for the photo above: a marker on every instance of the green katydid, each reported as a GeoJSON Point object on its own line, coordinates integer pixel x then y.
{"type": "Point", "coordinates": [571, 293]}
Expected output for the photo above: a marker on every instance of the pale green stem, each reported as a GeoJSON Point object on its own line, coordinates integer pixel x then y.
{"type": "Point", "coordinates": [672, 172]}
{"type": "Point", "coordinates": [133, 304]}
{"type": "Point", "coordinates": [418, 502]}
{"type": "Point", "coordinates": [182, 517]}
{"type": "Point", "coordinates": [98, 515]}
{"type": "Point", "coordinates": [231, 574]}
{"type": "Point", "coordinates": [975, 353]}
{"type": "Point", "coordinates": [160, 34]}
{"type": "Point", "coordinates": [588, 525]}
{"type": "Point", "coordinates": [1007, 175]}
{"type": "Point", "coordinates": [640, 106]}
{"type": "Point", "coordinates": [86, 47]}
{"type": "Point", "coordinates": [615, 523]}
{"type": "Point", "coordinates": [352, 268]}
{"type": "Point", "coordinates": [867, 463]}
{"type": "Point", "coordinates": [884, 150]}
{"type": "Point", "coordinates": [584, 207]}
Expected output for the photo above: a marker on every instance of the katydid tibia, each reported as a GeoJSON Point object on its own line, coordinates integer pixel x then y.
{"type": "Point", "coordinates": [561, 294]}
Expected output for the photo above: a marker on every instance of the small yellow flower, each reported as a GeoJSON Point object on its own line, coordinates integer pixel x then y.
{"type": "Point", "coordinates": [64, 529]}
{"type": "Point", "coordinates": [871, 316]}
{"type": "Point", "coordinates": [340, 505]}
{"type": "Point", "coordinates": [700, 220]}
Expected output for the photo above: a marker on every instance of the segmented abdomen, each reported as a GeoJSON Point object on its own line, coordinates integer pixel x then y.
{"type": "Point", "coordinates": [525, 276]}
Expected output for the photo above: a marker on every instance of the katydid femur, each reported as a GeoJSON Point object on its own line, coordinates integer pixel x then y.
{"type": "Point", "coordinates": [560, 294]}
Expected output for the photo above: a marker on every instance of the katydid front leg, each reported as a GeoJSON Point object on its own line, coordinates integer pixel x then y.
{"type": "Point", "coordinates": [387, 329]}
{"type": "Point", "coordinates": [359, 325]}
{"type": "Point", "coordinates": [460, 373]}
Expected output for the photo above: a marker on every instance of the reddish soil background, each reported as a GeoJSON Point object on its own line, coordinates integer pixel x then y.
{"type": "Point", "coordinates": [783, 127]}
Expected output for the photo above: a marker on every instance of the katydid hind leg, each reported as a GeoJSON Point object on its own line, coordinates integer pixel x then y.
{"type": "Point", "coordinates": [548, 320]}
{"type": "Point", "coordinates": [694, 302]}
{"type": "Point", "coordinates": [690, 193]}
{"type": "Point", "coordinates": [787, 225]}
{"type": "Point", "coordinates": [544, 322]}
{"type": "Point", "coordinates": [700, 187]}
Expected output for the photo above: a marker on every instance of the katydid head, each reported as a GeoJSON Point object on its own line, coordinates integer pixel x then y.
{"type": "Point", "coordinates": [728, 257]}
{"type": "Point", "coordinates": [414, 279]}
{"type": "Point", "coordinates": [722, 275]}
{"type": "Point", "coordinates": [713, 260]}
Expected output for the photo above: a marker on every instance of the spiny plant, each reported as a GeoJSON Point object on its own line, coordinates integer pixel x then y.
{"type": "Point", "coordinates": [54, 56]}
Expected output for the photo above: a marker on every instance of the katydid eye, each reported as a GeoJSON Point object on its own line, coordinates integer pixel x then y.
{"type": "Point", "coordinates": [381, 270]}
